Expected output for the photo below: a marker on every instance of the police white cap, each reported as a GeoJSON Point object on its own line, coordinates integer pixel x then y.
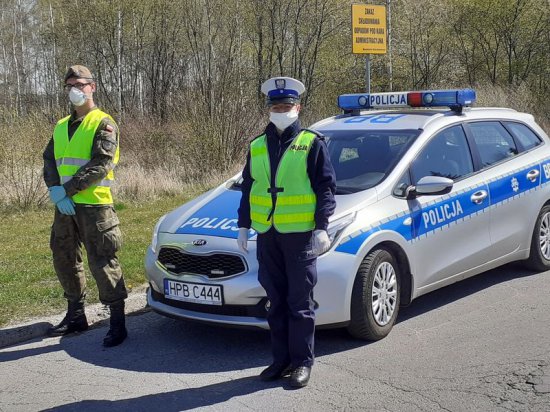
{"type": "Point", "coordinates": [282, 90]}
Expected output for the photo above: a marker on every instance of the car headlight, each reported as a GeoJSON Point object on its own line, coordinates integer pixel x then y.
{"type": "Point", "coordinates": [155, 239]}
{"type": "Point", "coordinates": [336, 227]}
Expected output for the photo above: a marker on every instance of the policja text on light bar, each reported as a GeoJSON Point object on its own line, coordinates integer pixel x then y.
{"type": "Point", "coordinates": [455, 99]}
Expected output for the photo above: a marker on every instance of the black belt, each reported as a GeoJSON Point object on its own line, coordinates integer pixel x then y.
{"type": "Point", "coordinates": [274, 190]}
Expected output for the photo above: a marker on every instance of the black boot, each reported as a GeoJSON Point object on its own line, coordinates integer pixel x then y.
{"type": "Point", "coordinates": [74, 321]}
{"type": "Point", "coordinates": [117, 332]}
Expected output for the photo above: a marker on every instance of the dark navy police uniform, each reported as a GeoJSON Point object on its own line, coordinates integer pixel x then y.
{"type": "Point", "coordinates": [287, 262]}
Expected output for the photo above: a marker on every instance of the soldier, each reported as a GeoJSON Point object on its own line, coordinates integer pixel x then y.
{"type": "Point", "coordinates": [78, 170]}
{"type": "Point", "coordinates": [287, 197]}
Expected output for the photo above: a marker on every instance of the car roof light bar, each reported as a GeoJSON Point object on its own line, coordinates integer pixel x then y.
{"type": "Point", "coordinates": [454, 99]}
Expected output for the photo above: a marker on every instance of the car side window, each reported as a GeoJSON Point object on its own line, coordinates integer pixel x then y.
{"type": "Point", "coordinates": [526, 136]}
{"type": "Point", "coordinates": [446, 155]}
{"type": "Point", "coordinates": [493, 141]}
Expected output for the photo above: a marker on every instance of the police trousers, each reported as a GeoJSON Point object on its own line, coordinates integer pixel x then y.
{"type": "Point", "coordinates": [97, 228]}
{"type": "Point", "coordinates": [288, 273]}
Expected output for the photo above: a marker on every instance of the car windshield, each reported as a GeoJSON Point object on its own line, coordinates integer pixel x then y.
{"type": "Point", "coordinates": [363, 158]}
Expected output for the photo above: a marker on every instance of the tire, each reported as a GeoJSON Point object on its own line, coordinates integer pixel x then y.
{"type": "Point", "coordinates": [539, 257]}
{"type": "Point", "coordinates": [368, 320]}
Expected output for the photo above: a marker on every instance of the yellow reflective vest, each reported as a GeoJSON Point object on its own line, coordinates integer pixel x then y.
{"type": "Point", "coordinates": [294, 209]}
{"type": "Point", "coordinates": [71, 155]}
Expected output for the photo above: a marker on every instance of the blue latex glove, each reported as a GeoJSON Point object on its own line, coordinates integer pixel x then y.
{"type": "Point", "coordinates": [56, 193]}
{"type": "Point", "coordinates": [66, 206]}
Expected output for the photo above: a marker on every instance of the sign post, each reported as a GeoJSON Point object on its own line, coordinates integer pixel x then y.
{"type": "Point", "coordinates": [368, 24]}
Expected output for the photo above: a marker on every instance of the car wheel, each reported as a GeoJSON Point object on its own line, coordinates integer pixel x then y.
{"type": "Point", "coordinates": [539, 257]}
{"type": "Point", "coordinates": [375, 296]}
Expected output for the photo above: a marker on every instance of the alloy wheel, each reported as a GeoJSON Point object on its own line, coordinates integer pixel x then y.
{"type": "Point", "coordinates": [384, 292]}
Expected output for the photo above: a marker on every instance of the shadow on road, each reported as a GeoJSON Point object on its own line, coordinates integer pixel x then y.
{"type": "Point", "coordinates": [449, 294]}
{"type": "Point", "coordinates": [164, 345]}
{"type": "Point", "coordinates": [174, 401]}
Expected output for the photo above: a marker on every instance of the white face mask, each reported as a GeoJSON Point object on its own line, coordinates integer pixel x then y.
{"type": "Point", "coordinates": [283, 120]}
{"type": "Point", "coordinates": [77, 97]}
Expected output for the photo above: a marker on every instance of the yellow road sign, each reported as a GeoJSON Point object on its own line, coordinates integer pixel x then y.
{"type": "Point", "coordinates": [368, 23]}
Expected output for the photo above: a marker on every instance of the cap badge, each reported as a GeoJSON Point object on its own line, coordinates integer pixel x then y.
{"type": "Point", "coordinates": [280, 83]}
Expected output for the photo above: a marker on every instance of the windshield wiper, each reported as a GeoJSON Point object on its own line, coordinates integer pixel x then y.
{"type": "Point", "coordinates": [342, 190]}
{"type": "Point", "coordinates": [236, 185]}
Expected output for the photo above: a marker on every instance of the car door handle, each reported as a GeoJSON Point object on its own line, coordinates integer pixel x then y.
{"type": "Point", "coordinates": [478, 197]}
{"type": "Point", "coordinates": [533, 175]}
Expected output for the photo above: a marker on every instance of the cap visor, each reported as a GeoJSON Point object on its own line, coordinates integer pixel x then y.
{"type": "Point", "coordinates": [293, 100]}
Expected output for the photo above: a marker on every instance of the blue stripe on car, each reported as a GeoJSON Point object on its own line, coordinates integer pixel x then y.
{"type": "Point", "coordinates": [217, 218]}
{"type": "Point", "coordinates": [451, 210]}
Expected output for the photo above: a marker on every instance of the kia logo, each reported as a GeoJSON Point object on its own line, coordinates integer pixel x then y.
{"type": "Point", "coordinates": [199, 242]}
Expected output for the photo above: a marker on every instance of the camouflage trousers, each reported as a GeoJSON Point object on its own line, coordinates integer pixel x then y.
{"type": "Point", "coordinates": [97, 228]}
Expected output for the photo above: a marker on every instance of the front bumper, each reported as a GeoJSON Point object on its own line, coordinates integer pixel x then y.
{"type": "Point", "coordinates": [244, 298]}
{"type": "Point", "coordinates": [170, 308]}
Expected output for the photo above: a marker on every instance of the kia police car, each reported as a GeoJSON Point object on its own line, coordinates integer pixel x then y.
{"type": "Point", "coordinates": [429, 192]}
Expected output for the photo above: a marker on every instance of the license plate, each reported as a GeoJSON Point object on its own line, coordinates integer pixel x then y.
{"type": "Point", "coordinates": [193, 292]}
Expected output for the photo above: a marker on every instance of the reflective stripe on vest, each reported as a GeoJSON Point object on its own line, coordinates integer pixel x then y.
{"type": "Point", "coordinates": [295, 200]}
{"type": "Point", "coordinates": [104, 182]}
{"type": "Point", "coordinates": [71, 155]}
{"type": "Point", "coordinates": [71, 161]}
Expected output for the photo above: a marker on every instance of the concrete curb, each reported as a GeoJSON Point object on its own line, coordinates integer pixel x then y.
{"type": "Point", "coordinates": [136, 303]}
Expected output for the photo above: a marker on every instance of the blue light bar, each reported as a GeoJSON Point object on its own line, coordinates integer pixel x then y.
{"type": "Point", "coordinates": [455, 99]}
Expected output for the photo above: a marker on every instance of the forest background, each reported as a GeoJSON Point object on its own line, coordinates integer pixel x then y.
{"type": "Point", "coordinates": [182, 77]}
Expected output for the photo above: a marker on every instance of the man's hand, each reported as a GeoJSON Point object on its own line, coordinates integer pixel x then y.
{"type": "Point", "coordinates": [242, 240]}
{"type": "Point", "coordinates": [321, 241]}
{"type": "Point", "coordinates": [66, 206]}
{"type": "Point", "coordinates": [56, 193]}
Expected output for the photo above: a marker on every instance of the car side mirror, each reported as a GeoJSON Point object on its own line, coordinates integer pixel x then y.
{"type": "Point", "coordinates": [430, 185]}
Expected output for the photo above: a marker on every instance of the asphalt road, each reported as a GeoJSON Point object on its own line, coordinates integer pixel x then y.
{"type": "Point", "coordinates": [480, 345]}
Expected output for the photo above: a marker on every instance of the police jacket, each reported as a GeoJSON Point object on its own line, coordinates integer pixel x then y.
{"type": "Point", "coordinates": [319, 169]}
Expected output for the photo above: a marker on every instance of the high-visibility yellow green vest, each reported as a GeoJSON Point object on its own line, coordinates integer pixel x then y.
{"type": "Point", "coordinates": [71, 155]}
{"type": "Point", "coordinates": [295, 200]}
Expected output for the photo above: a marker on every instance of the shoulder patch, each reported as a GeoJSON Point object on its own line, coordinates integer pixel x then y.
{"type": "Point", "coordinates": [315, 132]}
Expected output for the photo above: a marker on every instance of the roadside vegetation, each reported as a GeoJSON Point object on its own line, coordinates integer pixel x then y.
{"type": "Point", "coordinates": [28, 284]}
{"type": "Point", "coordinates": [182, 79]}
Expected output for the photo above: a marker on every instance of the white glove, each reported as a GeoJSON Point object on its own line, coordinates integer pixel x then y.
{"type": "Point", "coordinates": [242, 239]}
{"type": "Point", "coordinates": [321, 241]}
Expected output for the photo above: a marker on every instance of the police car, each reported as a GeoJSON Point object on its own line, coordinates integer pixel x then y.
{"type": "Point", "coordinates": [429, 192]}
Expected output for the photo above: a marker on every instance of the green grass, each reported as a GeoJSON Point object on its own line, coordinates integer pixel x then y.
{"type": "Point", "coordinates": [28, 284]}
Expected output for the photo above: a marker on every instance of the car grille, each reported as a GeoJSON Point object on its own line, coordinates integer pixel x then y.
{"type": "Point", "coordinates": [217, 265]}
{"type": "Point", "coordinates": [256, 311]}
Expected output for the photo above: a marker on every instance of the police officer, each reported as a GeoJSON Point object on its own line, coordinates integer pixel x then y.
{"type": "Point", "coordinates": [78, 170]}
{"type": "Point", "coordinates": [287, 197]}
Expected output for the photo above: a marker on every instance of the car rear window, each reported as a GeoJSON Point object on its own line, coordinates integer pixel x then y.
{"type": "Point", "coordinates": [525, 136]}
{"type": "Point", "coordinates": [493, 141]}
